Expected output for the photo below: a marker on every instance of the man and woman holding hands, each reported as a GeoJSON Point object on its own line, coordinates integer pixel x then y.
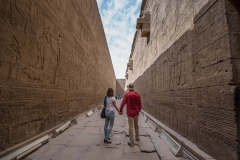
{"type": "Point", "coordinates": [133, 103]}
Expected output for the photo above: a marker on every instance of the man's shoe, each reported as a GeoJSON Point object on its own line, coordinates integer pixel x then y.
{"type": "Point", "coordinates": [130, 144]}
{"type": "Point", "coordinates": [107, 141]}
{"type": "Point", "coordinates": [137, 139]}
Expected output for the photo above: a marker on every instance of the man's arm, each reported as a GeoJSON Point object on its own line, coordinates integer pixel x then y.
{"type": "Point", "coordinates": [140, 105]}
{"type": "Point", "coordinates": [124, 101]}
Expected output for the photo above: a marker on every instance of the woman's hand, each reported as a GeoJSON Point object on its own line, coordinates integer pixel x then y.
{"type": "Point", "coordinates": [120, 113]}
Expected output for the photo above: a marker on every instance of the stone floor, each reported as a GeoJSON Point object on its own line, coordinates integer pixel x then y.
{"type": "Point", "coordinates": [84, 141]}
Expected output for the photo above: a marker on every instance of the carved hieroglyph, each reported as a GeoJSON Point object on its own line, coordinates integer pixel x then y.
{"type": "Point", "coordinates": [54, 65]}
{"type": "Point", "coordinates": [188, 71]}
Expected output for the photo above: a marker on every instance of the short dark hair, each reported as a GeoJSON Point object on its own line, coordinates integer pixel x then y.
{"type": "Point", "coordinates": [110, 92]}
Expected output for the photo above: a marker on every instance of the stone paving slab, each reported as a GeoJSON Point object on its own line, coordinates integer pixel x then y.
{"type": "Point", "coordinates": [97, 140]}
{"type": "Point", "coordinates": [145, 144]}
{"type": "Point", "coordinates": [85, 141]}
{"type": "Point", "coordinates": [94, 124]}
{"type": "Point", "coordinates": [163, 151]}
{"type": "Point", "coordinates": [161, 147]}
{"type": "Point", "coordinates": [142, 123]}
{"type": "Point", "coordinates": [46, 152]}
{"type": "Point", "coordinates": [96, 152]}
{"type": "Point", "coordinates": [140, 156]}
{"type": "Point", "coordinates": [119, 129]}
{"type": "Point", "coordinates": [141, 131]}
{"type": "Point", "coordinates": [128, 149]}
{"type": "Point", "coordinates": [71, 132]}
{"type": "Point", "coordinates": [102, 153]}
{"type": "Point", "coordinates": [118, 120]}
{"type": "Point", "coordinates": [79, 125]}
{"type": "Point", "coordinates": [95, 116]}
{"type": "Point", "coordinates": [71, 153]}
{"type": "Point", "coordinates": [90, 130]}
{"type": "Point", "coordinates": [115, 154]}
{"type": "Point", "coordinates": [61, 140]}
{"type": "Point", "coordinates": [153, 135]}
{"type": "Point", "coordinates": [82, 140]}
{"type": "Point", "coordinates": [116, 143]}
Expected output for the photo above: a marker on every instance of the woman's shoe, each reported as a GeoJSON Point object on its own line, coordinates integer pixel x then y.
{"type": "Point", "coordinates": [107, 141]}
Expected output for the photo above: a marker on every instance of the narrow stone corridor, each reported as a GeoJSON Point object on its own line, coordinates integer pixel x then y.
{"type": "Point", "coordinates": [57, 62]}
{"type": "Point", "coordinates": [84, 141]}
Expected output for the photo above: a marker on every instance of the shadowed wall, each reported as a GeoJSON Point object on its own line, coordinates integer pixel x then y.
{"type": "Point", "coordinates": [187, 71]}
{"type": "Point", "coordinates": [120, 85]}
{"type": "Point", "coordinates": [54, 65]}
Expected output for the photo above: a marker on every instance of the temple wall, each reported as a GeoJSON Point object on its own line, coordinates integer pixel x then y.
{"type": "Point", "coordinates": [54, 65]}
{"type": "Point", "coordinates": [187, 71]}
{"type": "Point", "coordinates": [120, 87]}
{"type": "Point", "coordinates": [233, 17]}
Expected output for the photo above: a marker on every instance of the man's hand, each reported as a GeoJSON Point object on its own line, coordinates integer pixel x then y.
{"type": "Point", "coordinates": [120, 113]}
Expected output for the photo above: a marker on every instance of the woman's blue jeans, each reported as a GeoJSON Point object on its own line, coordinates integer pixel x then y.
{"type": "Point", "coordinates": [109, 117]}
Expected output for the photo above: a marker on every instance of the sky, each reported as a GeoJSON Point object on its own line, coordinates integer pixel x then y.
{"type": "Point", "coordinates": [119, 22]}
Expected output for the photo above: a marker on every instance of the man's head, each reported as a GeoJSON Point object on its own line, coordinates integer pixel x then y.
{"type": "Point", "coordinates": [131, 86]}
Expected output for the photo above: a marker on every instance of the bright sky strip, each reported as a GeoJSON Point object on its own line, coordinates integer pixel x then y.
{"type": "Point", "coordinates": [119, 21]}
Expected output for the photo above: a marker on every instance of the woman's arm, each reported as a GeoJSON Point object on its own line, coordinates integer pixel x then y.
{"type": "Point", "coordinates": [114, 103]}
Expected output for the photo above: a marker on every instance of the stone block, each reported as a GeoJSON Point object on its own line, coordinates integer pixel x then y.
{"type": "Point", "coordinates": [39, 55]}
{"type": "Point", "coordinates": [4, 93]}
{"type": "Point", "coordinates": [145, 30]}
{"type": "Point", "coordinates": [236, 71]}
{"type": "Point", "coordinates": [141, 156]}
{"type": "Point", "coordinates": [141, 21]}
{"type": "Point", "coordinates": [235, 38]}
{"type": "Point", "coordinates": [195, 69]}
{"type": "Point", "coordinates": [204, 141]}
{"type": "Point", "coordinates": [47, 150]}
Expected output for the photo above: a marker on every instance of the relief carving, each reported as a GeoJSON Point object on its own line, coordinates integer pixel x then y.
{"type": "Point", "coordinates": [40, 17]}
{"type": "Point", "coordinates": [15, 15]}
{"type": "Point", "coordinates": [3, 26]}
{"type": "Point", "coordinates": [14, 53]}
{"type": "Point", "coordinates": [198, 5]}
{"type": "Point", "coordinates": [62, 5]}
{"type": "Point", "coordinates": [37, 68]}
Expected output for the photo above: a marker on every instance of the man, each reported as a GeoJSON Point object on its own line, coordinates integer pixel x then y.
{"type": "Point", "coordinates": [134, 106]}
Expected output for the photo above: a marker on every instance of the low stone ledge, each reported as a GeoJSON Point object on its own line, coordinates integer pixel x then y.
{"type": "Point", "coordinates": [61, 129]}
{"type": "Point", "coordinates": [187, 146]}
{"type": "Point", "coordinates": [27, 142]}
{"type": "Point", "coordinates": [51, 132]}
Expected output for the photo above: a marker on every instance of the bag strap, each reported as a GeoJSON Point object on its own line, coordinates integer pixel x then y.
{"type": "Point", "coordinates": [105, 102]}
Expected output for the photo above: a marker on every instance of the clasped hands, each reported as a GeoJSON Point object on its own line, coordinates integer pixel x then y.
{"type": "Point", "coordinates": [120, 113]}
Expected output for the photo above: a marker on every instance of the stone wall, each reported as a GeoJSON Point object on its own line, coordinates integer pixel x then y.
{"type": "Point", "coordinates": [54, 65]}
{"type": "Point", "coordinates": [187, 71]}
{"type": "Point", "coordinates": [120, 87]}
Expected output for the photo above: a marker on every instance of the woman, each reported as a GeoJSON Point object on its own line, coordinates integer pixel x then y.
{"type": "Point", "coordinates": [109, 114]}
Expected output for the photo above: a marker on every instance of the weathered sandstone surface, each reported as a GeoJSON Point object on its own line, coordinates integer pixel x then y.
{"type": "Point", "coordinates": [54, 65]}
{"type": "Point", "coordinates": [185, 64]}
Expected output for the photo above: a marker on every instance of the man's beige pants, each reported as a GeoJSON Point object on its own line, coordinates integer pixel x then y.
{"type": "Point", "coordinates": [133, 121]}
